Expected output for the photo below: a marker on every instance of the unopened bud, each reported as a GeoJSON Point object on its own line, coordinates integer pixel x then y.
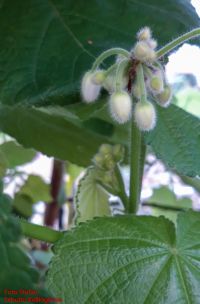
{"type": "Point", "coordinates": [89, 90]}
{"type": "Point", "coordinates": [152, 43]}
{"type": "Point", "coordinates": [98, 77]}
{"type": "Point", "coordinates": [107, 178]}
{"type": "Point", "coordinates": [118, 152]}
{"type": "Point", "coordinates": [121, 106]}
{"type": "Point", "coordinates": [156, 84]}
{"type": "Point", "coordinates": [105, 149]}
{"type": "Point", "coordinates": [143, 52]}
{"type": "Point", "coordinates": [109, 162]}
{"type": "Point", "coordinates": [144, 33]}
{"type": "Point", "coordinates": [164, 98]}
{"type": "Point", "coordinates": [110, 82]}
{"type": "Point", "coordinates": [98, 160]}
{"type": "Point", "coordinates": [145, 115]}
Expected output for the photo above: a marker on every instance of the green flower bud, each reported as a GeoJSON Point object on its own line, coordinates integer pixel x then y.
{"type": "Point", "coordinates": [89, 90]}
{"type": "Point", "coordinates": [98, 160]}
{"type": "Point", "coordinates": [156, 84]}
{"type": "Point", "coordinates": [118, 152]}
{"type": "Point", "coordinates": [109, 83]}
{"type": "Point", "coordinates": [164, 98]}
{"type": "Point", "coordinates": [98, 77]}
{"type": "Point", "coordinates": [121, 106]}
{"type": "Point", "coordinates": [109, 162]}
{"type": "Point", "coordinates": [107, 178]}
{"type": "Point", "coordinates": [105, 149]}
{"type": "Point", "coordinates": [145, 116]}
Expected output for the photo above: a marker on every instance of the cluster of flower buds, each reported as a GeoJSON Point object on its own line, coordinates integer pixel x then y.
{"type": "Point", "coordinates": [108, 156]}
{"type": "Point", "coordinates": [106, 160]}
{"type": "Point", "coordinates": [134, 82]}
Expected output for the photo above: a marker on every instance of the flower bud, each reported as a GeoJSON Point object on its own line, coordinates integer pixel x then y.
{"type": "Point", "coordinates": [107, 178]}
{"type": "Point", "coordinates": [144, 33]}
{"type": "Point", "coordinates": [89, 90]}
{"type": "Point", "coordinates": [143, 52]}
{"type": "Point", "coordinates": [98, 77]}
{"type": "Point", "coordinates": [156, 84]}
{"type": "Point", "coordinates": [145, 116]}
{"type": "Point", "coordinates": [105, 149]}
{"type": "Point", "coordinates": [109, 162]}
{"type": "Point", "coordinates": [152, 43]}
{"type": "Point", "coordinates": [110, 82]}
{"type": "Point", "coordinates": [118, 152]}
{"type": "Point", "coordinates": [98, 160]}
{"type": "Point", "coordinates": [121, 106]}
{"type": "Point", "coordinates": [164, 98]}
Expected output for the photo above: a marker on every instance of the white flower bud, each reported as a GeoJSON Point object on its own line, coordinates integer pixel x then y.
{"type": "Point", "coordinates": [164, 98]}
{"type": "Point", "coordinates": [121, 106]}
{"type": "Point", "coordinates": [152, 43]}
{"type": "Point", "coordinates": [89, 90]}
{"type": "Point", "coordinates": [145, 116]}
{"type": "Point", "coordinates": [144, 33]}
{"type": "Point", "coordinates": [143, 52]}
{"type": "Point", "coordinates": [98, 77]}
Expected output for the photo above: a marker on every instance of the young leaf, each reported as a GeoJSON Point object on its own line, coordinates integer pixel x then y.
{"type": "Point", "coordinates": [36, 189]}
{"type": "Point", "coordinates": [91, 199]}
{"type": "Point", "coordinates": [129, 259]}
{"type": "Point", "coordinates": [163, 199]}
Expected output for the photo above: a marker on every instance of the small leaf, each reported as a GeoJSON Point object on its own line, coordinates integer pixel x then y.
{"type": "Point", "coordinates": [91, 199]}
{"type": "Point", "coordinates": [22, 204]}
{"type": "Point", "coordinates": [164, 197]}
{"type": "Point", "coordinates": [36, 189]}
{"type": "Point", "coordinates": [15, 154]}
{"type": "Point", "coordinates": [129, 259]}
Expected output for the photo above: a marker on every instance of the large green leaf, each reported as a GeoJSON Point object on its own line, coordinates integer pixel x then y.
{"type": "Point", "coordinates": [129, 259]}
{"type": "Point", "coordinates": [47, 45]}
{"type": "Point", "coordinates": [53, 131]}
{"type": "Point", "coordinates": [16, 271]}
{"type": "Point", "coordinates": [91, 199]}
{"type": "Point", "coordinates": [176, 140]}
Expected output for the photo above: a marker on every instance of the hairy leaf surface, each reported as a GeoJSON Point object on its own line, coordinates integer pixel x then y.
{"type": "Point", "coordinates": [129, 259]}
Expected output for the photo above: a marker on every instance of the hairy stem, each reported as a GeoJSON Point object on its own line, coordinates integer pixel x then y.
{"type": "Point", "coordinates": [108, 53]}
{"type": "Point", "coordinates": [135, 168]}
{"type": "Point", "coordinates": [39, 232]}
{"type": "Point", "coordinates": [121, 192]}
{"type": "Point", "coordinates": [172, 45]}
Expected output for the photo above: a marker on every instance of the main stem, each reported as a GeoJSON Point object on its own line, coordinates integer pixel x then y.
{"type": "Point", "coordinates": [135, 168]}
{"type": "Point", "coordinates": [39, 232]}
